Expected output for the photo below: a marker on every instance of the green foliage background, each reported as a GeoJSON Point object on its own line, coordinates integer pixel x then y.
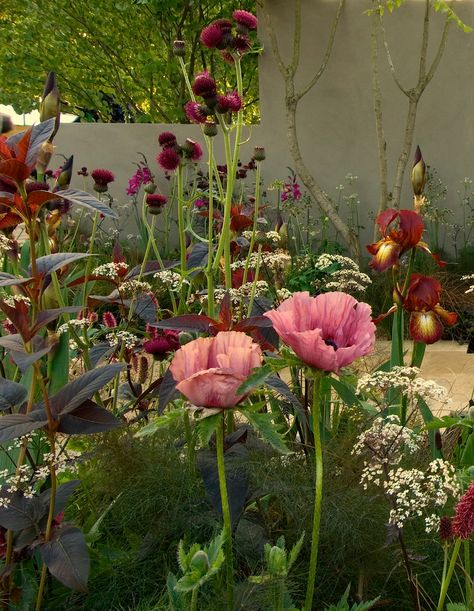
{"type": "Point", "coordinates": [119, 47]}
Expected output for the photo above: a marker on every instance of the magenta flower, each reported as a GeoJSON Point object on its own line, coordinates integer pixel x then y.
{"type": "Point", "coordinates": [241, 43]}
{"type": "Point", "coordinates": [201, 203]}
{"type": "Point", "coordinates": [102, 177]}
{"type": "Point", "coordinates": [209, 370]}
{"type": "Point", "coordinates": [212, 36]}
{"type": "Point", "coordinates": [197, 152]}
{"type": "Point", "coordinates": [168, 159]}
{"type": "Point", "coordinates": [142, 176]}
{"type": "Point", "coordinates": [204, 86]}
{"type": "Point", "coordinates": [167, 139]}
{"type": "Point", "coordinates": [162, 345]}
{"type": "Point", "coordinates": [246, 19]}
{"type": "Point", "coordinates": [230, 102]}
{"type": "Point", "coordinates": [109, 320]}
{"type": "Point", "coordinates": [155, 202]}
{"type": "Point", "coordinates": [463, 523]}
{"type": "Point", "coordinates": [196, 112]}
{"type": "Point", "coordinates": [327, 332]}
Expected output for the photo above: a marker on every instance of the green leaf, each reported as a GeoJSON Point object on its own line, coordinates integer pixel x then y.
{"type": "Point", "coordinates": [263, 424]}
{"type": "Point", "coordinates": [293, 555]}
{"type": "Point", "coordinates": [255, 379]}
{"type": "Point", "coordinates": [345, 393]}
{"type": "Point", "coordinates": [58, 365]}
{"type": "Point", "coordinates": [428, 417]}
{"type": "Point", "coordinates": [205, 427]}
{"type": "Point", "coordinates": [159, 423]}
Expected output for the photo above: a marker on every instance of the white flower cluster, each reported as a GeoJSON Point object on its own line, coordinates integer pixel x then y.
{"type": "Point", "coordinates": [12, 300]}
{"type": "Point", "coordinates": [386, 440]}
{"type": "Point", "coordinates": [276, 261]}
{"type": "Point", "coordinates": [5, 244]}
{"type": "Point", "coordinates": [404, 380]}
{"type": "Point", "coordinates": [75, 322]}
{"type": "Point", "coordinates": [273, 236]}
{"type": "Point", "coordinates": [236, 295]}
{"type": "Point", "coordinates": [171, 279]}
{"type": "Point", "coordinates": [283, 294]}
{"type": "Point", "coordinates": [348, 281]}
{"type": "Point", "coordinates": [413, 492]}
{"type": "Point", "coordinates": [132, 288]}
{"type": "Point", "coordinates": [326, 260]}
{"type": "Point", "coordinates": [110, 270]}
{"type": "Point", "coordinates": [469, 277]}
{"type": "Point", "coordinates": [118, 337]}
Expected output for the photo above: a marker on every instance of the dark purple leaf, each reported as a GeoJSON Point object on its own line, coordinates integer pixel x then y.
{"type": "Point", "coordinates": [46, 316]}
{"type": "Point", "coordinates": [20, 512]}
{"type": "Point", "coordinates": [225, 312]}
{"type": "Point", "coordinates": [17, 425]}
{"type": "Point", "coordinates": [86, 419]}
{"type": "Point", "coordinates": [167, 392]}
{"type": "Point", "coordinates": [14, 345]}
{"type": "Point", "coordinates": [190, 322]}
{"type": "Point", "coordinates": [261, 305]}
{"type": "Point", "coordinates": [279, 386]}
{"type": "Point", "coordinates": [151, 267]}
{"type": "Point", "coordinates": [63, 494]}
{"type": "Point", "coordinates": [51, 263]}
{"type": "Point", "coordinates": [254, 322]}
{"type": "Point", "coordinates": [197, 260]}
{"type": "Point", "coordinates": [145, 308]}
{"type": "Point", "coordinates": [67, 558]}
{"type": "Point", "coordinates": [100, 352]}
{"type": "Point", "coordinates": [82, 198]}
{"type": "Point", "coordinates": [11, 394]}
{"type": "Point", "coordinates": [79, 390]}
{"type": "Point", "coordinates": [11, 280]}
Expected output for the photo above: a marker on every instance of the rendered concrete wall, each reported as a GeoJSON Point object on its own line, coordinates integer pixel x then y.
{"type": "Point", "coordinates": [336, 120]}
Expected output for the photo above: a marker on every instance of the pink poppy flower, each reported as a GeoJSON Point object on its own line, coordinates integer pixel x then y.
{"type": "Point", "coordinates": [327, 332]}
{"type": "Point", "coordinates": [209, 370]}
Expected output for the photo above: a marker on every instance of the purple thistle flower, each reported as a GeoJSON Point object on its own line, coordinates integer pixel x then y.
{"type": "Point", "coordinates": [245, 19]}
{"type": "Point", "coordinates": [196, 112]}
{"type": "Point", "coordinates": [168, 159]}
{"type": "Point", "coordinates": [167, 139]}
{"type": "Point", "coordinates": [212, 36]}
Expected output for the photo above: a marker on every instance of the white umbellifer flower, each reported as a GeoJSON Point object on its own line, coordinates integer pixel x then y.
{"type": "Point", "coordinates": [348, 280]}
{"type": "Point", "coordinates": [132, 288]}
{"type": "Point", "coordinates": [75, 322]}
{"type": "Point", "coordinates": [12, 300]}
{"type": "Point", "coordinates": [326, 260]}
{"type": "Point", "coordinates": [273, 236]}
{"type": "Point", "coordinates": [171, 279]}
{"type": "Point", "coordinates": [283, 294]}
{"type": "Point", "coordinates": [5, 244]}
{"type": "Point", "coordinates": [404, 380]}
{"type": "Point", "coordinates": [117, 337]}
{"type": "Point", "coordinates": [276, 261]}
{"type": "Point", "coordinates": [110, 270]}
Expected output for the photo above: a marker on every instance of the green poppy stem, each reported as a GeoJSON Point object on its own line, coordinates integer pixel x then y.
{"type": "Point", "coordinates": [318, 492]}
{"type": "Point", "coordinates": [449, 574]}
{"type": "Point", "coordinates": [225, 512]}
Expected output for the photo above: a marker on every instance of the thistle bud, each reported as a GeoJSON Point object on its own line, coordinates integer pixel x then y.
{"type": "Point", "coordinates": [179, 48]}
{"type": "Point", "coordinates": [150, 188]}
{"type": "Point", "coordinates": [418, 173]}
{"type": "Point", "coordinates": [6, 124]}
{"type": "Point", "coordinates": [210, 129]}
{"type": "Point", "coordinates": [259, 153]}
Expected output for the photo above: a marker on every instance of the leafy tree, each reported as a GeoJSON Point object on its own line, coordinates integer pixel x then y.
{"type": "Point", "coordinates": [113, 58]}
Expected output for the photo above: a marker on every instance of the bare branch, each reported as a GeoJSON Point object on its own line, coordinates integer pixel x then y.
{"type": "Point", "coordinates": [327, 55]}
{"type": "Point", "coordinates": [424, 43]}
{"type": "Point", "coordinates": [390, 61]}
{"type": "Point", "coordinates": [295, 60]}
{"type": "Point", "coordinates": [439, 53]}
{"type": "Point", "coordinates": [282, 67]}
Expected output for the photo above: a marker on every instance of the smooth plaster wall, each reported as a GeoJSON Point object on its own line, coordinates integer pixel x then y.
{"type": "Point", "coordinates": [335, 121]}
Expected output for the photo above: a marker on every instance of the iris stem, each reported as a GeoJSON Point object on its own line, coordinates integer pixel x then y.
{"type": "Point", "coordinates": [447, 579]}
{"type": "Point", "coordinates": [318, 492]}
{"type": "Point", "coordinates": [225, 513]}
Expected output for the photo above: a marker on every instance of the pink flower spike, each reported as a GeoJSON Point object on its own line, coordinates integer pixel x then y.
{"type": "Point", "coordinates": [109, 320]}
{"type": "Point", "coordinates": [245, 18]}
{"type": "Point", "coordinates": [327, 332]}
{"type": "Point", "coordinates": [168, 159]}
{"type": "Point", "coordinates": [208, 371]}
{"type": "Point", "coordinates": [463, 523]}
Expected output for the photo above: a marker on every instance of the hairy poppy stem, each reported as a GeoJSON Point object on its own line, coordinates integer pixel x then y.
{"type": "Point", "coordinates": [225, 513]}
{"type": "Point", "coordinates": [318, 492]}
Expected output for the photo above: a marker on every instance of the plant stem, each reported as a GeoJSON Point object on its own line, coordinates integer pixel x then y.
{"type": "Point", "coordinates": [447, 579]}
{"type": "Point", "coordinates": [318, 492]}
{"type": "Point", "coordinates": [194, 599]}
{"type": "Point", "coordinates": [209, 271]}
{"type": "Point", "coordinates": [467, 572]}
{"type": "Point", "coordinates": [89, 260]}
{"type": "Point", "coordinates": [225, 513]}
{"type": "Point", "coordinates": [182, 238]}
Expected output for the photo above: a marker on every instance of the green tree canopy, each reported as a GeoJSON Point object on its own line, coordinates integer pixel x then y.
{"type": "Point", "coordinates": [115, 48]}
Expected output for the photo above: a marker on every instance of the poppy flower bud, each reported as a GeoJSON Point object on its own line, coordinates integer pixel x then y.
{"type": "Point", "coordinates": [49, 106]}
{"type": "Point", "coordinates": [418, 173]}
{"type": "Point", "coordinates": [259, 153]}
{"type": "Point", "coordinates": [210, 129]}
{"type": "Point", "coordinates": [179, 48]}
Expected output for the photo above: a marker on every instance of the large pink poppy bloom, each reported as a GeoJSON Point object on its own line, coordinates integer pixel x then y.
{"type": "Point", "coordinates": [209, 370]}
{"type": "Point", "coordinates": [327, 332]}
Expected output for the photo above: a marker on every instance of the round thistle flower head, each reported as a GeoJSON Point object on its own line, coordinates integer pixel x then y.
{"type": "Point", "coordinates": [102, 178]}
{"type": "Point", "coordinates": [167, 140]}
{"type": "Point", "coordinates": [196, 112]}
{"type": "Point", "coordinates": [179, 48]}
{"type": "Point", "coordinates": [212, 36]}
{"type": "Point", "coordinates": [192, 150]}
{"type": "Point", "coordinates": [155, 202]}
{"type": "Point", "coordinates": [168, 159]}
{"type": "Point", "coordinates": [230, 102]}
{"type": "Point", "coordinates": [210, 129]}
{"type": "Point", "coordinates": [224, 24]}
{"type": "Point", "coordinates": [205, 87]}
{"type": "Point", "coordinates": [241, 43]}
{"type": "Point", "coordinates": [245, 19]}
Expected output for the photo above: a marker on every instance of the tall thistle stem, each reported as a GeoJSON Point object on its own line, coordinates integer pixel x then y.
{"type": "Point", "coordinates": [318, 491]}
{"type": "Point", "coordinates": [182, 237]}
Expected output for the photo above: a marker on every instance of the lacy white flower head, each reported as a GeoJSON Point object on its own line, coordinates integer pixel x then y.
{"type": "Point", "coordinates": [12, 300]}
{"type": "Point", "coordinates": [283, 294]}
{"type": "Point", "coordinates": [170, 279]}
{"type": "Point", "coordinates": [276, 261]}
{"type": "Point", "coordinates": [110, 270]}
{"type": "Point", "coordinates": [133, 288]}
{"type": "Point", "coordinates": [118, 337]}
{"type": "Point", "coordinates": [5, 244]}
{"type": "Point", "coordinates": [79, 323]}
{"type": "Point", "coordinates": [386, 441]}
{"type": "Point", "coordinates": [404, 380]}
{"type": "Point", "coordinates": [414, 492]}
{"type": "Point", "coordinates": [343, 274]}
{"type": "Point", "coordinates": [326, 260]}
